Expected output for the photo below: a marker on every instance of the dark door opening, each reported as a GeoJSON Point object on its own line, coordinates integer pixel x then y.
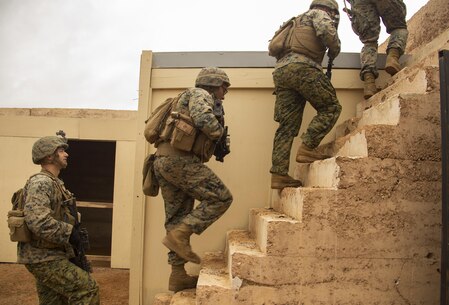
{"type": "Point", "coordinates": [90, 176]}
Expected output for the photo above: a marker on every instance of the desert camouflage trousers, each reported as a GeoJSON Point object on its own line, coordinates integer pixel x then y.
{"type": "Point", "coordinates": [295, 84]}
{"type": "Point", "coordinates": [366, 15]}
{"type": "Point", "coordinates": [61, 282]}
{"type": "Point", "coordinates": [182, 180]}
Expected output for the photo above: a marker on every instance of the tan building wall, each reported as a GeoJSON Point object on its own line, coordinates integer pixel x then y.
{"type": "Point", "coordinates": [249, 107]}
{"type": "Point", "coordinates": [20, 128]}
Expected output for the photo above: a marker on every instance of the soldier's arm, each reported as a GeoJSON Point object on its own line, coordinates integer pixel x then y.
{"type": "Point", "coordinates": [201, 112]}
{"type": "Point", "coordinates": [327, 32]}
{"type": "Point", "coordinates": [38, 212]}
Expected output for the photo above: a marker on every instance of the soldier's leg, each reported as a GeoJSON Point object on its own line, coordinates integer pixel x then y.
{"type": "Point", "coordinates": [176, 202]}
{"type": "Point", "coordinates": [288, 112]}
{"type": "Point", "coordinates": [48, 296]}
{"type": "Point", "coordinates": [215, 198]}
{"type": "Point", "coordinates": [366, 24]}
{"type": "Point", "coordinates": [68, 280]}
{"type": "Point", "coordinates": [318, 90]}
{"type": "Point", "coordinates": [197, 181]}
{"type": "Point", "coordinates": [393, 14]}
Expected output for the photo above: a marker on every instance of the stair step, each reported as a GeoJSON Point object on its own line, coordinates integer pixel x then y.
{"type": "Point", "coordinates": [184, 297]}
{"type": "Point", "coordinates": [248, 263]}
{"type": "Point", "coordinates": [214, 283]}
{"type": "Point", "coordinates": [409, 80]}
{"type": "Point", "coordinates": [275, 233]}
{"type": "Point", "coordinates": [376, 173]}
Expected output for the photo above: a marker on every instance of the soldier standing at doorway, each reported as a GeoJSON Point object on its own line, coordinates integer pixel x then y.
{"type": "Point", "coordinates": [47, 255]}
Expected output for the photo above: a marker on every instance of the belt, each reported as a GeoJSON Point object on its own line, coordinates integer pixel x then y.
{"type": "Point", "coordinates": [165, 149]}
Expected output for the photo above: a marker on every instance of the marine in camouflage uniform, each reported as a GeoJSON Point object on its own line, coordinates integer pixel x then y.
{"type": "Point", "coordinates": [365, 19]}
{"type": "Point", "coordinates": [298, 77]}
{"type": "Point", "coordinates": [183, 177]}
{"type": "Point", "coordinates": [58, 281]}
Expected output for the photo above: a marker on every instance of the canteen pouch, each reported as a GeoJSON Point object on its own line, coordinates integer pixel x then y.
{"type": "Point", "coordinates": [18, 230]}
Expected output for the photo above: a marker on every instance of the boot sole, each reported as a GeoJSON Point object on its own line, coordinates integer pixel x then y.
{"type": "Point", "coordinates": [174, 247]}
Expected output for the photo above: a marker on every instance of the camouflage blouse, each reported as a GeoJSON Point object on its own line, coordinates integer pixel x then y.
{"type": "Point", "coordinates": [48, 221]}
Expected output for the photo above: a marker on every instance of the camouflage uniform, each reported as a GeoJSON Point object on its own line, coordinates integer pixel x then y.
{"type": "Point", "coordinates": [183, 179]}
{"type": "Point", "coordinates": [365, 21]}
{"type": "Point", "coordinates": [58, 281]}
{"type": "Point", "coordinates": [297, 79]}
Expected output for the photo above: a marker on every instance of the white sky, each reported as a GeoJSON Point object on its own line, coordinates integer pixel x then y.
{"type": "Point", "coordinates": [86, 53]}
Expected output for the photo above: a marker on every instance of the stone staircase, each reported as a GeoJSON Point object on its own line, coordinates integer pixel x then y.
{"type": "Point", "coordinates": [364, 229]}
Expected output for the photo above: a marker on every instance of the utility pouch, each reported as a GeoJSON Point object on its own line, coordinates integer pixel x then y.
{"type": "Point", "coordinates": [150, 185]}
{"type": "Point", "coordinates": [18, 230]}
{"type": "Point", "coordinates": [184, 133]}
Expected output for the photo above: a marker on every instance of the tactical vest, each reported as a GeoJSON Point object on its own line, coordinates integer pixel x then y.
{"type": "Point", "coordinates": [60, 212]}
{"type": "Point", "coordinates": [306, 42]}
{"type": "Point", "coordinates": [184, 137]}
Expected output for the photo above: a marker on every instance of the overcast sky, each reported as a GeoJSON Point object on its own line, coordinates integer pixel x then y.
{"type": "Point", "coordinates": [86, 53]}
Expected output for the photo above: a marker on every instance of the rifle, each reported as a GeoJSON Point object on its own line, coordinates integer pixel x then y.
{"type": "Point", "coordinates": [347, 10]}
{"type": "Point", "coordinates": [330, 63]}
{"type": "Point", "coordinates": [223, 145]}
{"type": "Point", "coordinates": [80, 248]}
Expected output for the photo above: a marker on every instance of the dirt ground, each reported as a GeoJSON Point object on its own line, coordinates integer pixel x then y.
{"type": "Point", "coordinates": [17, 285]}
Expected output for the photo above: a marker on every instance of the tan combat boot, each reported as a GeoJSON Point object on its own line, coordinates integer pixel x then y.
{"type": "Point", "coordinates": [180, 280]}
{"type": "Point", "coordinates": [178, 240]}
{"type": "Point", "coordinates": [369, 88]}
{"type": "Point", "coordinates": [308, 155]}
{"type": "Point", "coordinates": [392, 65]}
{"type": "Point", "coordinates": [281, 181]}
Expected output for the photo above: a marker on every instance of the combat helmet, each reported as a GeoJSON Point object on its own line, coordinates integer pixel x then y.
{"type": "Point", "coordinates": [332, 4]}
{"type": "Point", "coordinates": [47, 145]}
{"type": "Point", "coordinates": [213, 77]}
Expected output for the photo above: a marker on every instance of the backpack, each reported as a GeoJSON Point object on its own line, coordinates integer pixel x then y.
{"type": "Point", "coordinates": [157, 119]}
{"type": "Point", "coordinates": [281, 42]}
{"type": "Point", "coordinates": [18, 230]}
